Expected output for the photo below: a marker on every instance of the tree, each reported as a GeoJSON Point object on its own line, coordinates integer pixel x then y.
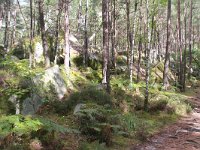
{"type": "Point", "coordinates": [106, 60]}
{"type": "Point", "coordinates": [147, 56]}
{"type": "Point", "coordinates": [113, 38]}
{"type": "Point", "coordinates": [67, 44]}
{"type": "Point", "coordinates": [167, 53]}
{"type": "Point", "coordinates": [7, 26]}
{"type": "Point", "coordinates": [31, 57]}
{"type": "Point", "coordinates": [43, 33]}
{"type": "Point", "coordinates": [85, 55]}
{"type": "Point", "coordinates": [190, 40]}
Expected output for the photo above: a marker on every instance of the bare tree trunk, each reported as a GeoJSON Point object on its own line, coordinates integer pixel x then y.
{"type": "Point", "coordinates": [190, 40]}
{"type": "Point", "coordinates": [57, 31]}
{"type": "Point", "coordinates": [1, 15]}
{"type": "Point", "coordinates": [113, 20]}
{"type": "Point", "coordinates": [147, 57]}
{"type": "Point", "coordinates": [140, 42]}
{"type": "Point", "coordinates": [14, 15]}
{"type": "Point", "coordinates": [85, 54]}
{"type": "Point", "coordinates": [129, 34]}
{"type": "Point", "coordinates": [167, 53]}
{"type": "Point", "coordinates": [185, 48]}
{"type": "Point", "coordinates": [106, 61]}
{"type": "Point", "coordinates": [132, 42]}
{"type": "Point", "coordinates": [79, 15]}
{"type": "Point", "coordinates": [44, 37]}
{"type": "Point", "coordinates": [67, 44]}
{"type": "Point", "coordinates": [180, 47]}
{"type": "Point", "coordinates": [31, 57]}
{"type": "Point", "coordinates": [7, 26]}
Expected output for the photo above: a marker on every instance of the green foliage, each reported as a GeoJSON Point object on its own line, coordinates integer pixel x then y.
{"type": "Point", "coordinates": [90, 94]}
{"type": "Point", "coordinates": [18, 124]}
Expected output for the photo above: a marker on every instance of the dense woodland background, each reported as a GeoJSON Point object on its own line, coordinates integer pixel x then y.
{"type": "Point", "coordinates": [85, 74]}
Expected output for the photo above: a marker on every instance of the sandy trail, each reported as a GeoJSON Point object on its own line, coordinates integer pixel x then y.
{"type": "Point", "coordinates": [183, 135]}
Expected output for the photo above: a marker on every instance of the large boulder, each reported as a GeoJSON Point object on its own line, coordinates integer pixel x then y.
{"type": "Point", "coordinates": [51, 80]}
{"type": "Point", "coordinates": [31, 105]}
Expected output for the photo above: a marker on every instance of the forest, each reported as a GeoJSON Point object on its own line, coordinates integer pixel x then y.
{"type": "Point", "coordinates": [99, 74]}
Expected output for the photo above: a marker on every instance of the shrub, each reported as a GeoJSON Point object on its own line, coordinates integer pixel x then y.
{"type": "Point", "coordinates": [90, 94]}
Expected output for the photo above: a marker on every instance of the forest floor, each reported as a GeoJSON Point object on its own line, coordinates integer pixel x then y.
{"type": "Point", "coordinates": [182, 135]}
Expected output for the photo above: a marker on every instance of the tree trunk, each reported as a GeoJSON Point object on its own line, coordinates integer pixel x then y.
{"type": "Point", "coordinates": [147, 57]}
{"type": "Point", "coordinates": [7, 26]}
{"type": "Point", "coordinates": [57, 31]}
{"type": "Point", "coordinates": [79, 15]}
{"type": "Point", "coordinates": [105, 20]}
{"type": "Point", "coordinates": [1, 15]}
{"type": "Point", "coordinates": [67, 44]}
{"type": "Point", "coordinates": [128, 34]}
{"type": "Point", "coordinates": [31, 57]}
{"type": "Point", "coordinates": [167, 53]}
{"type": "Point", "coordinates": [132, 42]}
{"type": "Point", "coordinates": [85, 54]}
{"type": "Point", "coordinates": [190, 40]}
{"type": "Point", "coordinates": [185, 48]}
{"type": "Point", "coordinates": [113, 39]}
{"type": "Point", "coordinates": [180, 46]}
{"type": "Point", "coordinates": [140, 43]}
{"type": "Point", "coordinates": [14, 27]}
{"type": "Point", "coordinates": [43, 34]}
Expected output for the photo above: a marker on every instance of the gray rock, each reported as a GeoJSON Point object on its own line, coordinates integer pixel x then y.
{"type": "Point", "coordinates": [14, 58]}
{"type": "Point", "coordinates": [52, 78]}
{"type": "Point", "coordinates": [31, 105]}
{"type": "Point", "coordinates": [78, 108]}
{"type": "Point", "coordinates": [14, 99]}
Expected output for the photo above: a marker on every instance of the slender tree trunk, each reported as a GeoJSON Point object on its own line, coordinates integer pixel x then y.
{"type": "Point", "coordinates": [7, 26]}
{"type": "Point", "coordinates": [14, 26]}
{"type": "Point", "coordinates": [129, 34]}
{"type": "Point", "coordinates": [106, 61]}
{"type": "Point", "coordinates": [147, 56]}
{"type": "Point", "coordinates": [185, 48]}
{"type": "Point", "coordinates": [85, 55]}
{"type": "Point", "coordinates": [113, 34]}
{"type": "Point", "coordinates": [43, 34]}
{"type": "Point", "coordinates": [132, 42]}
{"type": "Point", "coordinates": [67, 44]}
{"type": "Point", "coordinates": [167, 52]}
{"type": "Point", "coordinates": [57, 31]}
{"type": "Point", "coordinates": [190, 40]}
{"type": "Point", "coordinates": [140, 42]}
{"type": "Point", "coordinates": [79, 15]}
{"type": "Point", "coordinates": [1, 15]}
{"type": "Point", "coordinates": [31, 36]}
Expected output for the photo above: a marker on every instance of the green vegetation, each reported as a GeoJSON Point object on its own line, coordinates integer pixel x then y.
{"type": "Point", "coordinates": [100, 120]}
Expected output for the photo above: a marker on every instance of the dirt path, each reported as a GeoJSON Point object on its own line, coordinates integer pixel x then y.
{"type": "Point", "coordinates": [183, 135]}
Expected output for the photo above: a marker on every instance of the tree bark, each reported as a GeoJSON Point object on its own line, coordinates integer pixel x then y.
{"type": "Point", "coordinates": [43, 34]}
{"type": "Point", "coordinates": [185, 48]}
{"type": "Point", "coordinates": [85, 54]}
{"type": "Point", "coordinates": [113, 39]}
{"type": "Point", "coordinates": [140, 43]}
{"type": "Point", "coordinates": [57, 31]}
{"type": "Point", "coordinates": [190, 41]}
{"type": "Point", "coordinates": [7, 26]}
{"type": "Point", "coordinates": [67, 44]}
{"type": "Point", "coordinates": [180, 46]}
{"type": "Point", "coordinates": [167, 52]}
{"type": "Point", "coordinates": [148, 46]}
{"type": "Point", "coordinates": [106, 61]}
{"type": "Point", "coordinates": [31, 57]}
{"type": "Point", "coordinates": [1, 15]}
